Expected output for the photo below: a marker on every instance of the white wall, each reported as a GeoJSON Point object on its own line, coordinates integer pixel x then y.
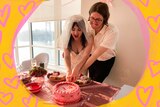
{"type": "Point", "coordinates": [70, 7]}
{"type": "Point", "coordinates": [61, 9]}
{"type": "Point", "coordinates": [44, 12]}
{"type": "Point", "coordinates": [131, 53]}
{"type": "Point", "coordinates": [86, 4]}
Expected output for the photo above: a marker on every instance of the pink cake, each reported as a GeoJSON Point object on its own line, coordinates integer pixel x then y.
{"type": "Point", "coordinates": [66, 92]}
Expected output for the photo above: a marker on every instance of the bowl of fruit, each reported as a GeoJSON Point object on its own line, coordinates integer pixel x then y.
{"type": "Point", "coordinates": [37, 71]}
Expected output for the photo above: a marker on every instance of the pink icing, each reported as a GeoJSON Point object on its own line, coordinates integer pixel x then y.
{"type": "Point", "coordinates": [66, 92]}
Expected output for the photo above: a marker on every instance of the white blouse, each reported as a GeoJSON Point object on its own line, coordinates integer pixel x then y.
{"type": "Point", "coordinates": [107, 37]}
{"type": "Point", "coordinates": [75, 58]}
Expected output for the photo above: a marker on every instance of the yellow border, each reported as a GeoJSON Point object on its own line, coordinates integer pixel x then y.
{"type": "Point", "coordinates": [14, 13]}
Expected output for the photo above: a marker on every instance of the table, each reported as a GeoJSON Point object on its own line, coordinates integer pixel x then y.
{"type": "Point", "coordinates": [94, 94]}
{"type": "Point", "coordinates": [125, 90]}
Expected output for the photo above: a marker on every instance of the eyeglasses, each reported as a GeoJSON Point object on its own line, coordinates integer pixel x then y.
{"type": "Point", "coordinates": [95, 19]}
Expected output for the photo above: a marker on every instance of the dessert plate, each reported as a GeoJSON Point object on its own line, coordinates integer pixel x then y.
{"type": "Point", "coordinates": [83, 80]}
{"type": "Point", "coordinates": [24, 77]}
{"type": "Point", "coordinates": [81, 84]}
{"type": "Point", "coordinates": [57, 79]}
{"type": "Point", "coordinates": [56, 76]}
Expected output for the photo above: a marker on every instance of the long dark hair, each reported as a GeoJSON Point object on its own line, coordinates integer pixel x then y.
{"type": "Point", "coordinates": [83, 39]}
{"type": "Point", "coordinates": [102, 9]}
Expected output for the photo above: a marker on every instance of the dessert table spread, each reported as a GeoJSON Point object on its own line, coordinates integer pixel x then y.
{"type": "Point", "coordinates": [93, 94]}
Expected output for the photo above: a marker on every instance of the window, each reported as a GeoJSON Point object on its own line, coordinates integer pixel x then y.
{"type": "Point", "coordinates": [61, 59]}
{"type": "Point", "coordinates": [23, 36]}
{"type": "Point", "coordinates": [38, 37]}
{"type": "Point", "coordinates": [43, 39]}
{"type": "Point", "coordinates": [43, 33]}
{"type": "Point", "coordinates": [21, 46]}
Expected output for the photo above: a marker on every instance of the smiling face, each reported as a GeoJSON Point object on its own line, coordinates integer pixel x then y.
{"type": "Point", "coordinates": [76, 32]}
{"type": "Point", "coordinates": [96, 21]}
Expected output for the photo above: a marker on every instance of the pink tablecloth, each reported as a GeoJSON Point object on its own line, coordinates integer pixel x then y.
{"type": "Point", "coordinates": [94, 94]}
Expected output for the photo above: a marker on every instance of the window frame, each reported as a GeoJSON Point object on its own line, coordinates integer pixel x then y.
{"type": "Point", "coordinates": [57, 29]}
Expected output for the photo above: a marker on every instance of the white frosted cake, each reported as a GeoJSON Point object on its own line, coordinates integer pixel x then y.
{"type": "Point", "coordinates": [66, 92]}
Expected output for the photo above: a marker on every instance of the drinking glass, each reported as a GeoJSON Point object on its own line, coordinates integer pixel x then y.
{"type": "Point", "coordinates": [19, 68]}
{"type": "Point", "coordinates": [33, 63]}
{"type": "Point", "coordinates": [41, 64]}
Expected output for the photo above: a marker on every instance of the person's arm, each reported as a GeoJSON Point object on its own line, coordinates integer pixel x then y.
{"type": "Point", "coordinates": [98, 52]}
{"type": "Point", "coordinates": [109, 41]}
{"type": "Point", "coordinates": [85, 56]}
{"type": "Point", "coordinates": [67, 61]}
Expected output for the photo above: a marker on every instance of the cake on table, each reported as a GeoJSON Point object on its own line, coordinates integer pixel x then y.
{"type": "Point", "coordinates": [66, 93]}
{"type": "Point", "coordinates": [83, 80]}
{"type": "Point", "coordinates": [56, 76]}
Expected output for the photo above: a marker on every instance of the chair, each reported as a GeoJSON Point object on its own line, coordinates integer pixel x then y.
{"type": "Point", "coordinates": [40, 58]}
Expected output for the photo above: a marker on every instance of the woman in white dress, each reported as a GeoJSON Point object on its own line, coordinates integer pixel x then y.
{"type": "Point", "coordinates": [77, 44]}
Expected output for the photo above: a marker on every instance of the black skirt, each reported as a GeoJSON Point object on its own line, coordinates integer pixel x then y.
{"type": "Point", "coordinates": [99, 70]}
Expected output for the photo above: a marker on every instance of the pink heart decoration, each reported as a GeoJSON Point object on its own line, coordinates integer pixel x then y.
{"type": "Point", "coordinates": [13, 82]}
{"type": "Point", "coordinates": [144, 2]}
{"type": "Point", "coordinates": [4, 15]}
{"type": "Point", "coordinates": [6, 98]}
{"type": "Point", "coordinates": [0, 36]}
{"type": "Point", "coordinates": [26, 101]}
{"type": "Point", "coordinates": [8, 60]}
{"type": "Point", "coordinates": [22, 9]}
{"type": "Point", "coordinates": [158, 103]}
{"type": "Point", "coordinates": [147, 91]}
{"type": "Point", "coordinates": [154, 20]}
{"type": "Point", "coordinates": [153, 65]}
